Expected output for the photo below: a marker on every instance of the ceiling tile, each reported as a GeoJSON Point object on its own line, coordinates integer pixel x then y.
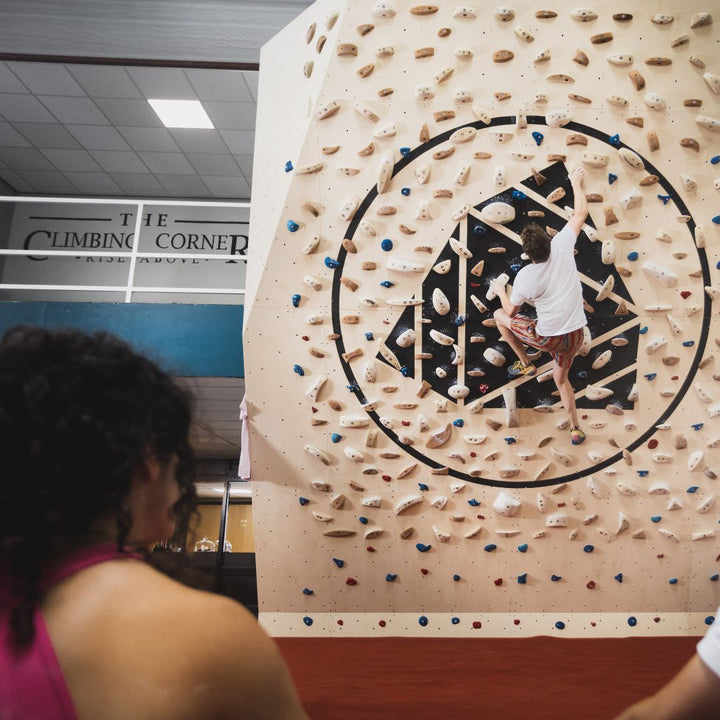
{"type": "Point", "coordinates": [150, 139]}
{"type": "Point", "coordinates": [49, 182]}
{"type": "Point", "coordinates": [25, 159]}
{"type": "Point", "coordinates": [98, 137]}
{"type": "Point", "coordinates": [198, 140]}
{"type": "Point", "coordinates": [183, 185]}
{"type": "Point", "coordinates": [16, 182]}
{"type": "Point", "coordinates": [251, 78]}
{"type": "Point", "coordinates": [105, 81]}
{"type": "Point", "coordinates": [10, 83]}
{"type": "Point", "coordinates": [71, 160]}
{"type": "Point", "coordinates": [93, 183]}
{"type": "Point", "coordinates": [231, 116]}
{"type": "Point", "coordinates": [10, 137]}
{"type": "Point", "coordinates": [227, 187]}
{"type": "Point", "coordinates": [23, 108]}
{"type": "Point", "coordinates": [225, 85]}
{"type": "Point", "coordinates": [245, 162]}
{"type": "Point", "coordinates": [47, 135]}
{"type": "Point", "coordinates": [240, 142]}
{"type": "Point", "coordinates": [116, 161]}
{"type": "Point", "coordinates": [167, 163]}
{"type": "Point", "coordinates": [128, 113]}
{"type": "Point", "coordinates": [138, 185]}
{"type": "Point", "coordinates": [46, 78]}
{"type": "Point", "coordinates": [165, 83]}
{"type": "Point", "coordinates": [82, 111]}
{"type": "Point", "coordinates": [210, 164]}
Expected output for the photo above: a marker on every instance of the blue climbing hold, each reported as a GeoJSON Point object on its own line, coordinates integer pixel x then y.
{"type": "Point", "coordinates": [423, 620]}
{"type": "Point", "coordinates": [331, 263]}
{"type": "Point", "coordinates": [710, 619]}
{"type": "Point", "coordinates": [714, 577]}
{"type": "Point", "coordinates": [656, 518]}
{"type": "Point", "coordinates": [459, 422]}
{"type": "Point", "coordinates": [387, 244]}
{"type": "Point", "coordinates": [560, 625]}
{"type": "Point", "coordinates": [391, 577]}
{"type": "Point", "coordinates": [716, 219]}
{"type": "Point", "coordinates": [340, 563]}
{"type": "Point", "coordinates": [614, 140]}
{"type": "Point", "coordinates": [643, 473]}
{"type": "Point", "coordinates": [369, 336]}
{"type": "Point", "coordinates": [308, 621]}
{"type": "Point", "coordinates": [387, 283]}
{"type": "Point", "coordinates": [303, 500]}
{"type": "Point", "coordinates": [423, 548]}
{"type": "Point", "coordinates": [353, 388]}
{"type": "Point", "coordinates": [473, 502]}
{"type": "Point", "coordinates": [456, 578]}
{"type": "Point", "coordinates": [292, 226]}
{"type": "Point", "coordinates": [697, 426]}
{"type": "Point", "coordinates": [688, 343]}
{"type": "Point", "coordinates": [692, 489]}
{"type": "Point", "coordinates": [336, 437]}
{"type": "Point", "coordinates": [522, 579]}
{"type": "Point", "coordinates": [490, 547]}
{"type": "Point", "coordinates": [519, 195]}
{"type": "Point", "coordinates": [307, 591]}
{"type": "Point", "coordinates": [296, 300]}
{"type": "Point", "coordinates": [423, 487]}
{"type": "Point", "coordinates": [515, 267]}
{"type": "Point", "coordinates": [612, 177]}
{"type": "Point", "coordinates": [619, 577]}
{"type": "Point", "coordinates": [363, 520]}
{"type": "Point", "coordinates": [522, 548]}
{"type": "Point", "coordinates": [288, 166]}
{"type": "Point", "coordinates": [404, 151]}
{"type": "Point", "coordinates": [460, 320]}
{"type": "Point", "coordinates": [673, 581]}
{"type": "Point", "coordinates": [665, 199]}
{"type": "Point", "coordinates": [538, 137]}
{"type": "Point", "coordinates": [455, 620]}
{"type": "Point", "coordinates": [405, 191]}
{"type": "Point", "coordinates": [715, 160]}
{"type": "Point", "coordinates": [582, 374]}
{"type": "Point", "coordinates": [632, 621]}
{"type": "Point", "coordinates": [479, 229]}
{"type": "Point", "coordinates": [405, 371]}
{"type": "Point", "coordinates": [588, 548]}
{"type": "Point", "coordinates": [650, 376]}
{"type": "Point", "coordinates": [556, 578]}
{"type": "Point", "coordinates": [632, 256]}
{"type": "Point", "coordinates": [643, 329]}
{"type": "Point", "coordinates": [510, 440]}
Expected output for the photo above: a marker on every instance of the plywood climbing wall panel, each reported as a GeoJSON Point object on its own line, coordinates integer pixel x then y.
{"type": "Point", "coordinates": [400, 476]}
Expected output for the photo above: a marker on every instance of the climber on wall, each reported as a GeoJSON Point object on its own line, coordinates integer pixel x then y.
{"type": "Point", "coordinates": [552, 284]}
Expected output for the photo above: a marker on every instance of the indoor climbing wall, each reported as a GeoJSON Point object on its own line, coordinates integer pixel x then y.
{"type": "Point", "coordinates": [402, 483]}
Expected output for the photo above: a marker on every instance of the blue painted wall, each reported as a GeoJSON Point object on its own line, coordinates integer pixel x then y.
{"type": "Point", "coordinates": [187, 340]}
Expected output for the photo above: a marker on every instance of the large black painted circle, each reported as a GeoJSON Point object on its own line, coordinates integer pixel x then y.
{"type": "Point", "coordinates": [493, 482]}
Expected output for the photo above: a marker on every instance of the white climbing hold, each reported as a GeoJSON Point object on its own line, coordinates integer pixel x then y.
{"type": "Point", "coordinates": [558, 118]}
{"type": "Point", "coordinates": [659, 273]}
{"type": "Point", "coordinates": [317, 453]}
{"type": "Point", "coordinates": [506, 505]}
{"type": "Point", "coordinates": [556, 520]}
{"type": "Point", "coordinates": [706, 505]}
{"type": "Point", "coordinates": [498, 212]}
{"type": "Point", "coordinates": [439, 502]}
{"type": "Point", "coordinates": [440, 302]}
{"type": "Point", "coordinates": [407, 503]}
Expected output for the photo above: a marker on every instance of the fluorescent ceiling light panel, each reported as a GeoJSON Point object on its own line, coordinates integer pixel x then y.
{"type": "Point", "coordinates": [182, 113]}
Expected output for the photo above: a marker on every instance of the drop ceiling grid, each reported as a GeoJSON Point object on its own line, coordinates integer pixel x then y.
{"type": "Point", "coordinates": [87, 129]}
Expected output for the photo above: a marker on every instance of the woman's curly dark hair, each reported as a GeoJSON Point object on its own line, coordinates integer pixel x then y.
{"type": "Point", "coordinates": [78, 414]}
{"type": "Point", "coordinates": [535, 242]}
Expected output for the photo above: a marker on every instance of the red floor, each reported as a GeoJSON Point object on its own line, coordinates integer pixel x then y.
{"type": "Point", "coordinates": [464, 679]}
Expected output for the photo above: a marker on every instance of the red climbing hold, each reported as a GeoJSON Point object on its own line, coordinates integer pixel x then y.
{"type": "Point", "coordinates": [591, 585]}
{"type": "Point", "coordinates": [480, 517]}
{"type": "Point", "coordinates": [477, 624]}
{"type": "Point", "coordinates": [351, 581]}
{"type": "Point", "coordinates": [656, 619]}
{"type": "Point", "coordinates": [498, 582]}
{"type": "Point", "coordinates": [516, 621]}
{"type": "Point", "coordinates": [661, 555]}
{"type": "Point", "coordinates": [685, 294]}
{"type": "Point", "coordinates": [382, 623]}
{"type": "Point", "coordinates": [561, 504]}
{"type": "Point", "coordinates": [370, 548]}
{"type": "Point", "coordinates": [674, 377]}
{"type": "Point", "coordinates": [652, 444]}
{"type": "Point", "coordinates": [424, 571]}
{"type": "Point", "coordinates": [593, 624]}
{"type": "Point", "coordinates": [339, 622]}
{"type": "Point", "coordinates": [386, 478]}
{"type": "Point", "coordinates": [314, 409]}
{"type": "Point", "coordinates": [483, 388]}
{"type": "Point", "coordinates": [406, 423]}
{"type": "Point", "coordinates": [473, 453]}
{"type": "Point", "coordinates": [585, 417]}
{"type": "Point", "coordinates": [305, 338]}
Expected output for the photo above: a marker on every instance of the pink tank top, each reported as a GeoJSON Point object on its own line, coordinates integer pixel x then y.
{"type": "Point", "coordinates": [32, 685]}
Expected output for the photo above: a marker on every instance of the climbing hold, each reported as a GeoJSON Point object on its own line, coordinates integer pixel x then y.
{"type": "Point", "coordinates": [522, 579]}
{"type": "Point", "coordinates": [710, 619]}
{"type": "Point", "coordinates": [351, 581]}
{"type": "Point", "coordinates": [590, 585]}
{"type": "Point", "coordinates": [405, 191]}
{"type": "Point", "coordinates": [390, 577]}
{"type": "Point", "coordinates": [288, 166]}
{"type": "Point", "coordinates": [656, 518]}
{"type": "Point", "coordinates": [307, 591]}
{"type": "Point", "coordinates": [363, 520]}
{"type": "Point", "coordinates": [404, 151]}
{"type": "Point", "coordinates": [692, 489]}
{"type": "Point", "coordinates": [369, 336]}
{"type": "Point", "coordinates": [308, 621]}
{"type": "Point", "coordinates": [643, 329]}
{"type": "Point", "coordinates": [612, 177]}
{"type": "Point", "coordinates": [560, 625]}
{"type": "Point", "coordinates": [650, 376]}
{"type": "Point", "coordinates": [303, 501]}
{"type": "Point", "coordinates": [473, 502]}
{"type": "Point", "coordinates": [340, 563]}
{"type": "Point", "coordinates": [422, 620]}
{"type": "Point", "coordinates": [697, 426]}
{"type": "Point", "coordinates": [490, 547]}
{"type": "Point", "coordinates": [423, 548]}
{"type": "Point", "coordinates": [665, 199]}
{"type": "Point", "coordinates": [633, 256]}
{"type": "Point", "coordinates": [688, 343]}
{"type": "Point", "coordinates": [456, 578]}
{"type": "Point", "coordinates": [588, 548]}
{"type": "Point", "coordinates": [643, 473]}
{"type": "Point", "coordinates": [498, 582]}
{"type": "Point", "coordinates": [619, 577]}
{"type": "Point", "coordinates": [518, 195]}
{"type": "Point", "coordinates": [715, 160]}
{"type": "Point", "coordinates": [673, 581]}
{"type": "Point", "coordinates": [336, 437]}
{"type": "Point", "coordinates": [459, 422]}
{"type": "Point", "coordinates": [455, 620]}
{"type": "Point", "coordinates": [423, 487]}
{"type": "Point", "coordinates": [538, 137]}
{"type": "Point", "coordinates": [522, 548]}
{"type": "Point", "coordinates": [296, 300]}
{"type": "Point", "coordinates": [510, 440]}
{"type": "Point", "coordinates": [386, 244]}
{"type": "Point", "coordinates": [460, 320]}
{"type": "Point", "coordinates": [331, 263]}
{"type": "Point", "coordinates": [714, 577]}
{"type": "Point", "coordinates": [292, 226]}
{"type": "Point", "coordinates": [632, 621]}
{"type": "Point", "coordinates": [614, 140]}
{"type": "Point", "coordinates": [555, 578]}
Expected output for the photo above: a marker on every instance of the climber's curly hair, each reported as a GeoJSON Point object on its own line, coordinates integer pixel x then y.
{"type": "Point", "coordinates": [535, 242]}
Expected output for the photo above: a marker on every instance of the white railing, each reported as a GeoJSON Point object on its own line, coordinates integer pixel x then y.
{"type": "Point", "coordinates": [129, 287]}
